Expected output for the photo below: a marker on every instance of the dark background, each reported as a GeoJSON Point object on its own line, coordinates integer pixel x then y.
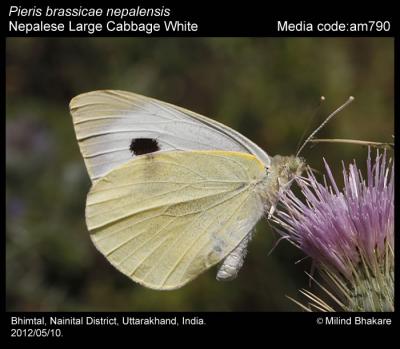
{"type": "Point", "coordinates": [266, 88]}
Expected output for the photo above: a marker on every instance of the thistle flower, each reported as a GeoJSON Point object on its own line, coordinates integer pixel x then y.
{"type": "Point", "coordinates": [349, 235]}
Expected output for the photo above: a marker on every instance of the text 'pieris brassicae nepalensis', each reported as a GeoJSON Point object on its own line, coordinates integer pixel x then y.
{"type": "Point", "coordinates": [173, 192]}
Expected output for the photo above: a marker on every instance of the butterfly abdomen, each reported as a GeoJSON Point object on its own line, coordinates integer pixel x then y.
{"type": "Point", "coordinates": [233, 263]}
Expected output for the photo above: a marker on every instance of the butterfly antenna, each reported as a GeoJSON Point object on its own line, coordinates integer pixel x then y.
{"type": "Point", "coordinates": [322, 99]}
{"type": "Point", "coordinates": [351, 99]}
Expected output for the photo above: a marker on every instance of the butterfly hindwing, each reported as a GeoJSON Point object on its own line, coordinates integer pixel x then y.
{"type": "Point", "coordinates": [164, 218]}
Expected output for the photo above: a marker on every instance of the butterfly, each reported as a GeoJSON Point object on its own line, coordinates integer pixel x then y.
{"type": "Point", "coordinates": [173, 192]}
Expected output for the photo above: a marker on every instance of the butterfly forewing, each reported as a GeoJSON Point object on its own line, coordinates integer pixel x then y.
{"type": "Point", "coordinates": [106, 122]}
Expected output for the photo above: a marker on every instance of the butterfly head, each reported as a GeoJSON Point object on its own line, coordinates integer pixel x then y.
{"type": "Point", "coordinates": [280, 175]}
{"type": "Point", "coordinates": [286, 168]}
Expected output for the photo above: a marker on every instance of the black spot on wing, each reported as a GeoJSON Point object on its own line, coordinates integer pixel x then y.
{"type": "Point", "coordinates": [141, 146]}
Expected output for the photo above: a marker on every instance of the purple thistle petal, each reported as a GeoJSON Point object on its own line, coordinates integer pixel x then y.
{"type": "Point", "coordinates": [336, 227]}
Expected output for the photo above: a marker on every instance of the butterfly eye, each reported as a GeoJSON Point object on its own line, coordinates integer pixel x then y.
{"type": "Point", "coordinates": [141, 146]}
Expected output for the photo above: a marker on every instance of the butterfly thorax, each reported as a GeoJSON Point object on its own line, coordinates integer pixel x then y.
{"type": "Point", "coordinates": [279, 176]}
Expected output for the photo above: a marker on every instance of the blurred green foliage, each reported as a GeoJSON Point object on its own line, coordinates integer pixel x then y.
{"type": "Point", "coordinates": [266, 88]}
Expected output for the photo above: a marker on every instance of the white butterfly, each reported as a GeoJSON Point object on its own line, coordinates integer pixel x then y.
{"type": "Point", "coordinates": [173, 192]}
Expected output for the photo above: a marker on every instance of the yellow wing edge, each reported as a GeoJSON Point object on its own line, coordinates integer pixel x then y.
{"type": "Point", "coordinates": [215, 152]}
